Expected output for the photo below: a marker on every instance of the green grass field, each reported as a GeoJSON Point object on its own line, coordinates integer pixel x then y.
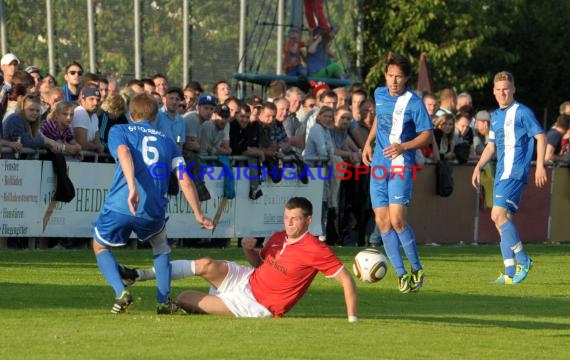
{"type": "Point", "coordinates": [55, 305]}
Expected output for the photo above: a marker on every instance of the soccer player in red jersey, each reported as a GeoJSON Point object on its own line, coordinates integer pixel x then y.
{"type": "Point", "coordinates": [279, 275]}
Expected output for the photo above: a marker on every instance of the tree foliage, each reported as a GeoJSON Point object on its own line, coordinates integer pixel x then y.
{"type": "Point", "coordinates": [469, 41]}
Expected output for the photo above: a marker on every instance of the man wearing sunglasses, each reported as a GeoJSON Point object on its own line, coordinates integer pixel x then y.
{"type": "Point", "coordinates": [73, 74]}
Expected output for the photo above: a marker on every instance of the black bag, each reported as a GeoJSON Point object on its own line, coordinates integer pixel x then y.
{"type": "Point", "coordinates": [462, 152]}
{"type": "Point", "coordinates": [173, 187]}
{"type": "Point", "coordinates": [64, 190]}
{"type": "Point", "coordinates": [444, 179]}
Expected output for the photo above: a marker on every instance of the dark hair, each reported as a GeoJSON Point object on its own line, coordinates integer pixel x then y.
{"type": "Point", "coordinates": [176, 90]}
{"type": "Point", "coordinates": [159, 76]}
{"type": "Point", "coordinates": [143, 107]}
{"type": "Point", "coordinates": [300, 203]}
{"type": "Point", "coordinates": [269, 105]}
{"type": "Point", "coordinates": [89, 78]}
{"type": "Point", "coordinates": [73, 63]}
{"type": "Point", "coordinates": [402, 62]}
{"type": "Point", "coordinates": [327, 93]}
{"type": "Point", "coordinates": [563, 122]}
{"type": "Point", "coordinates": [308, 97]}
{"type": "Point", "coordinates": [136, 82]}
{"type": "Point", "coordinates": [147, 81]}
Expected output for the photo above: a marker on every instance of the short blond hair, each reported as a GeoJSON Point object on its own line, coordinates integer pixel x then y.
{"type": "Point", "coordinates": [143, 107]}
{"type": "Point", "coordinates": [504, 75]}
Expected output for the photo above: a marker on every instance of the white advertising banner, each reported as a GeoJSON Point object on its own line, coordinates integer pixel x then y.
{"type": "Point", "coordinates": [28, 187]}
{"type": "Point", "coordinates": [20, 198]}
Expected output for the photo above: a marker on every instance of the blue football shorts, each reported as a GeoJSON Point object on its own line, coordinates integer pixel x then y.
{"type": "Point", "coordinates": [113, 229]}
{"type": "Point", "coordinates": [389, 184]}
{"type": "Point", "coordinates": [507, 194]}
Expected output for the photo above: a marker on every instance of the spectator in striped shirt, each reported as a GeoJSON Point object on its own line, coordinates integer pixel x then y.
{"type": "Point", "coordinates": [58, 128]}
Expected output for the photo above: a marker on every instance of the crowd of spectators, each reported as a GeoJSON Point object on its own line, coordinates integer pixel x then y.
{"type": "Point", "coordinates": [287, 125]}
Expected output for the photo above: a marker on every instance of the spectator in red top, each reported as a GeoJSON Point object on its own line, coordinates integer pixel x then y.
{"type": "Point", "coordinates": [280, 274]}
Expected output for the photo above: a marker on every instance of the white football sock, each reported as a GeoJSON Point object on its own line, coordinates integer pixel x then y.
{"type": "Point", "coordinates": [182, 269]}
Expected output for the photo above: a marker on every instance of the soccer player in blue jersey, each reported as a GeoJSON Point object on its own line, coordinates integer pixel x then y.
{"type": "Point", "coordinates": [401, 126]}
{"type": "Point", "coordinates": [137, 200]}
{"type": "Point", "coordinates": [513, 131]}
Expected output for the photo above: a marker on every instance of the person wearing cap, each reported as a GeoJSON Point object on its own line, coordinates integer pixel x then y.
{"type": "Point", "coordinates": [255, 104]}
{"type": "Point", "coordinates": [194, 120]}
{"type": "Point", "coordinates": [36, 73]}
{"type": "Point", "coordinates": [85, 121]}
{"type": "Point", "coordinates": [9, 64]}
{"type": "Point", "coordinates": [481, 138]}
{"type": "Point", "coordinates": [73, 76]}
{"type": "Point", "coordinates": [215, 133]}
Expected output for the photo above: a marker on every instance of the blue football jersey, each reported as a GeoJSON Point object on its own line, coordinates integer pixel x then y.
{"type": "Point", "coordinates": [512, 130]}
{"type": "Point", "coordinates": [154, 156]}
{"type": "Point", "coordinates": [399, 119]}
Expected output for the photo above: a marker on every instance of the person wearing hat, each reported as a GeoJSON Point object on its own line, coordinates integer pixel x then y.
{"type": "Point", "coordinates": [9, 64]}
{"type": "Point", "coordinates": [194, 120]}
{"type": "Point", "coordinates": [215, 133]}
{"type": "Point", "coordinates": [85, 121]}
{"type": "Point", "coordinates": [481, 138]}
{"type": "Point", "coordinates": [38, 75]}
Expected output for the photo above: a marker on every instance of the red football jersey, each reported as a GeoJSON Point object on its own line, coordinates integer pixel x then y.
{"type": "Point", "coordinates": [288, 270]}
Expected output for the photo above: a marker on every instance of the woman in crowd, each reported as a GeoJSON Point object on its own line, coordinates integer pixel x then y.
{"type": "Point", "coordinates": [445, 136]}
{"type": "Point", "coordinates": [24, 126]}
{"type": "Point", "coordinates": [58, 128]}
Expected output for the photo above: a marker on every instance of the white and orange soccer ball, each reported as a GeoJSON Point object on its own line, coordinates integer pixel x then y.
{"type": "Point", "coordinates": [370, 265]}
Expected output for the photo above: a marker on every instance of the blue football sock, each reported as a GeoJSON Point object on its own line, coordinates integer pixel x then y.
{"type": "Point", "coordinates": [508, 258]}
{"type": "Point", "coordinates": [511, 235]}
{"type": "Point", "coordinates": [392, 248]}
{"type": "Point", "coordinates": [108, 268]}
{"type": "Point", "coordinates": [408, 241]}
{"type": "Point", "coordinates": [163, 270]}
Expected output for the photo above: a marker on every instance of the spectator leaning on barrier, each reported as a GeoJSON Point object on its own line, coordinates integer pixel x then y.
{"type": "Point", "coordinates": [113, 112]}
{"type": "Point", "coordinates": [215, 133]}
{"type": "Point", "coordinates": [85, 121]}
{"type": "Point", "coordinates": [554, 138]}
{"type": "Point", "coordinates": [24, 126]}
{"type": "Point", "coordinates": [58, 128]}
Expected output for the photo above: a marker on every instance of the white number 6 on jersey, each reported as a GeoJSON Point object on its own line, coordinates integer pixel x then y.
{"type": "Point", "coordinates": [150, 153]}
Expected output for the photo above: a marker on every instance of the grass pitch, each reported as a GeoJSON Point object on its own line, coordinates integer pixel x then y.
{"type": "Point", "coordinates": [56, 305]}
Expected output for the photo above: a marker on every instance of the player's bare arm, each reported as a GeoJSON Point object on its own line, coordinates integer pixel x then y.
{"type": "Point", "coordinates": [540, 173]}
{"type": "Point", "coordinates": [367, 149]}
{"type": "Point", "coordinates": [486, 155]}
{"type": "Point", "coordinates": [126, 162]}
{"type": "Point", "coordinates": [350, 294]}
{"type": "Point", "coordinates": [395, 149]}
{"type": "Point", "coordinates": [250, 252]}
{"type": "Point", "coordinates": [191, 195]}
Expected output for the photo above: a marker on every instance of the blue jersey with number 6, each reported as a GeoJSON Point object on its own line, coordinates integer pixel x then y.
{"type": "Point", "coordinates": [154, 156]}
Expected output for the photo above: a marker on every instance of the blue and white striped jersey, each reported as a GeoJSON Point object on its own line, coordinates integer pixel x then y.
{"type": "Point", "coordinates": [512, 130]}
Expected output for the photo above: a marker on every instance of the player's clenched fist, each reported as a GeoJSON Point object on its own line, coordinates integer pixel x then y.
{"type": "Point", "coordinates": [248, 243]}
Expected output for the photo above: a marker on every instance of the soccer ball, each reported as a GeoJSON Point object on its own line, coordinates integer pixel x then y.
{"type": "Point", "coordinates": [370, 265]}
